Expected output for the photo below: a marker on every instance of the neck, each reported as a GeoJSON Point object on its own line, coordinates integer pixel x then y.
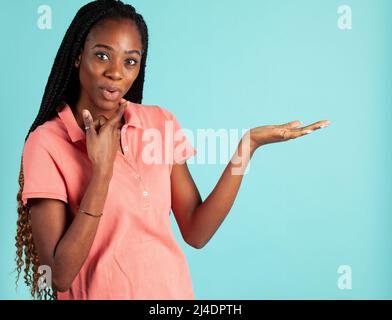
{"type": "Point", "coordinates": [94, 110]}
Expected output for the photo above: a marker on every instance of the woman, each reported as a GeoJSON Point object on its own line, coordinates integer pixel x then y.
{"type": "Point", "coordinates": [91, 207]}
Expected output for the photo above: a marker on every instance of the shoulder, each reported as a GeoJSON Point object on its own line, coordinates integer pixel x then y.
{"type": "Point", "coordinates": [44, 138]}
{"type": "Point", "coordinates": [48, 131]}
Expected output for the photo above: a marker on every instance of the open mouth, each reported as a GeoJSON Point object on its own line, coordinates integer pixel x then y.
{"type": "Point", "coordinates": [110, 94]}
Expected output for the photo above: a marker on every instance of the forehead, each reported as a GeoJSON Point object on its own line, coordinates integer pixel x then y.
{"type": "Point", "coordinates": [119, 33]}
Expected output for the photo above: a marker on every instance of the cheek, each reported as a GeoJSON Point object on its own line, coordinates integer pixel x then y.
{"type": "Point", "coordinates": [88, 74]}
{"type": "Point", "coordinates": [131, 76]}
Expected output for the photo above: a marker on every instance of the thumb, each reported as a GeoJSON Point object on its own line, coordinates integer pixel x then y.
{"type": "Point", "coordinates": [291, 124]}
{"type": "Point", "coordinates": [88, 122]}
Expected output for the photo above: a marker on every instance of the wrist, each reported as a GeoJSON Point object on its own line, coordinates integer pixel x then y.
{"type": "Point", "coordinates": [102, 174]}
{"type": "Point", "coordinates": [247, 145]}
{"type": "Point", "coordinates": [248, 141]}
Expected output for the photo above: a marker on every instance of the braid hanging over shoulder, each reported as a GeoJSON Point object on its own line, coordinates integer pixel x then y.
{"type": "Point", "coordinates": [63, 85]}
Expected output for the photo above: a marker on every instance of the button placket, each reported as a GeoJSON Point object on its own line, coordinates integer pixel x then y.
{"type": "Point", "coordinates": [146, 196]}
{"type": "Point", "coordinates": [143, 189]}
{"type": "Point", "coordinates": [125, 148]}
{"type": "Point", "coordinates": [144, 192]}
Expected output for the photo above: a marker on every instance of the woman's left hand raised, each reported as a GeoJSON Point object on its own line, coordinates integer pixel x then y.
{"type": "Point", "coordinates": [278, 133]}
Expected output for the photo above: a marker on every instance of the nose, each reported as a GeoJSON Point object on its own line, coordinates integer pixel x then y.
{"type": "Point", "coordinates": [114, 70]}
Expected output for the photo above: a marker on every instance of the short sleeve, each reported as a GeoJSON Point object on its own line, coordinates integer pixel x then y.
{"type": "Point", "coordinates": [41, 170]}
{"type": "Point", "coordinates": [182, 148]}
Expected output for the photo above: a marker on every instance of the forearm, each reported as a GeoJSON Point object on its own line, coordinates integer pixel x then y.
{"type": "Point", "coordinates": [75, 245]}
{"type": "Point", "coordinates": [209, 215]}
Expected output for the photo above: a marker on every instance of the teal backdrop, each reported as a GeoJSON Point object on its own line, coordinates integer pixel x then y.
{"type": "Point", "coordinates": [306, 206]}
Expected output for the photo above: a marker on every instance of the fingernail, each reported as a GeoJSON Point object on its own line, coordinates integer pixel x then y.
{"type": "Point", "coordinates": [307, 131]}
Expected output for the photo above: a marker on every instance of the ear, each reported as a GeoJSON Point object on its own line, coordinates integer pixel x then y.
{"type": "Point", "coordinates": [77, 61]}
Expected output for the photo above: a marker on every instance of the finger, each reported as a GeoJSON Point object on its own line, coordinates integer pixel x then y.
{"type": "Point", "coordinates": [315, 126]}
{"type": "Point", "coordinates": [288, 134]}
{"type": "Point", "coordinates": [99, 122]}
{"type": "Point", "coordinates": [96, 124]}
{"type": "Point", "coordinates": [102, 120]}
{"type": "Point", "coordinates": [292, 133]}
{"type": "Point", "coordinates": [291, 124]}
{"type": "Point", "coordinates": [88, 123]}
{"type": "Point", "coordinates": [284, 134]}
{"type": "Point", "coordinates": [118, 115]}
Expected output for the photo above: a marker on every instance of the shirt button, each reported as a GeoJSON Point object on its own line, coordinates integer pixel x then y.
{"type": "Point", "coordinates": [145, 193]}
{"type": "Point", "coordinates": [146, 205]}
{"type": "Point", "coordinates": [125, 148]}
{"type": "Point", "coordinates": [137, 176]}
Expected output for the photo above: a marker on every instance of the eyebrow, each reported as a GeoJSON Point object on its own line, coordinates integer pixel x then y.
{"type": "Point", "coordinates": [111, 49]}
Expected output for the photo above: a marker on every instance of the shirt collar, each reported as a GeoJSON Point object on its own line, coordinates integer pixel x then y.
{"type": "Point", "coordinates": [76, 133]}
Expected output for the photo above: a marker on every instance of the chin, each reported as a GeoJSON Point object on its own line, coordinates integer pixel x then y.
{"type": "Point", "coordinates": [107, 105]}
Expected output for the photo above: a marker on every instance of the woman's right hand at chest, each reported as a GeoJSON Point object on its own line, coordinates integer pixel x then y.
{"type": "Point", "coordinates": [103, 139]}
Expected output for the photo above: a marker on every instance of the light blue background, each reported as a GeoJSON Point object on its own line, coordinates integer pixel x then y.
{"type": "Point", "coordinates": [308, 205]}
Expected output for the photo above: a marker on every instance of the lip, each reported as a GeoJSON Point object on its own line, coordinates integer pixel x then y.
{"type": "Point", "coordinates": [110, 88]}
{"type": "Point", "coordinates": [110, 93]}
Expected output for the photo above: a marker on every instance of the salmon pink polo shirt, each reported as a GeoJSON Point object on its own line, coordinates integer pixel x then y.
{"type": "Point", "coordinates": [134, 254]}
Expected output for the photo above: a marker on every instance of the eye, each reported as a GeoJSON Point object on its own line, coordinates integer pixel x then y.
{"type": "Point", "coordinates": [131, 62]}
{"type": "Point", "coordinates": [102, 56]}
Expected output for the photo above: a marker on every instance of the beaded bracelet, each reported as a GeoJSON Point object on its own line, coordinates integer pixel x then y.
{"type": "Point", "coordinates": [90, 214]}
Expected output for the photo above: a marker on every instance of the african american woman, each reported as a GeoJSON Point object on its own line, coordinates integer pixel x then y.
{"type": "Point", "coordinates": [91, 206]}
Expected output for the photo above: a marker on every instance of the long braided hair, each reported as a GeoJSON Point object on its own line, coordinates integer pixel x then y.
{"type": "Point", "coordinates": [64, 85]}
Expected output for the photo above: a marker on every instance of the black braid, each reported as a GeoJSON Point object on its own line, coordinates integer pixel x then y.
{"type": "Point", "coordinates": [63, 82]}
